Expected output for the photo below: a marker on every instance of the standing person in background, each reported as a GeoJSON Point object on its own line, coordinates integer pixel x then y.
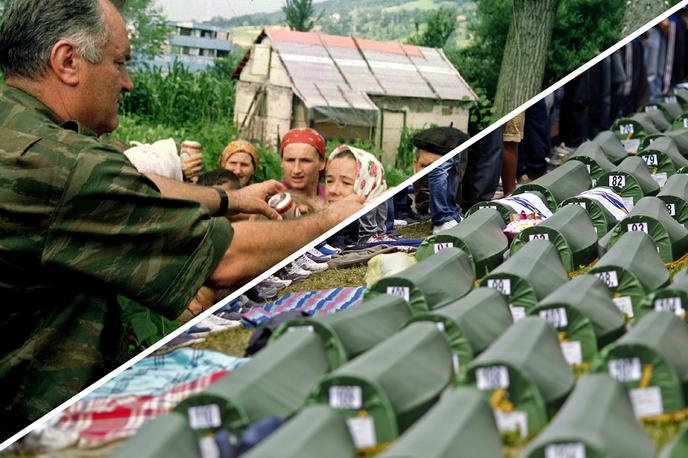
{"type": "Point", "coordinates": [241, 158]}
{"type": "Point", "coordinates": [513, 134]}
{"type": "Point", "coordinates": [431, 145]}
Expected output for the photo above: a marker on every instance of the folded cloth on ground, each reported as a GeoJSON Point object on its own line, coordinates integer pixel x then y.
{"type": "Point", "coordinates": [385, 265]}
{"type": "Point", "coordinates": [361, 257]}
{"type": "Point", "coordinates": [320, 302]}
{"type": "Point", "coordinates": [399, 243]}
{"type": "Point", "coordinates": [155, 375]}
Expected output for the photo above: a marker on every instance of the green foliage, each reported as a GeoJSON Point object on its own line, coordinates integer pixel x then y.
{"type": "Point", "coordinates": [482, 113]}
{"type": "Point", "coordinates": [298, 14]}
{"type": "Point", "coordinates": [148, 30]}
{"type": "Point", "coordinates": [438, 27]}
{"type": "Point", "coordinates": [406, 153]}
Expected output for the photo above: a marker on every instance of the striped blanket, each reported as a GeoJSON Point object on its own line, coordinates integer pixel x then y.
{"type": "Point", "coordinates": [321, 302]}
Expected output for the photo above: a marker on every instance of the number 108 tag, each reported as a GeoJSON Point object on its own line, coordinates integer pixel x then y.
{"type": "Point", "coordinates": [346, 397]}
{"type": "Point", "coordinates": [491, 378]}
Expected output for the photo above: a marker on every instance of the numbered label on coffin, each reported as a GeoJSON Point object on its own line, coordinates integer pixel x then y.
{"type": "Point", "coordinates": [670, 304]}
{"type": "Point", "coordinates": [441, 246]}
{"type": "Point", "coordinates": [204, 417]}
{"type": "Point", "coordinates": [491, 378]}
{"type": "Point", "coordinates": [503, 285]}
{"type": "Point", "coordinates": [608, 278]}
{"type": "Point", "coordinates": [346, 397]}
{"type": "Point", "coordinates": [685, 122]}
{"type": "Point", "coordinates": [401, 291]}
{"type": "Point", "coordinates": [671, 208]}
{"type": "Point", "coordinates": [512, 421]}
{"type": "Point", "coordinates": [626, 129]}
{"type": "Point", "coordinates": [651, 160]}
{"type": "Point", "coordinates": [647, 402]}
{"type": "Point", "coordinates": [532, 237]}
{"type": "Point", "coordinates": [362, 430]}
{"type": "Point", "coordinates": [556, 317]}
{"type": "Point", "coordinates": [617, 181]}
{"type": "Point", "coordinates": [637, 227]}
{"type": "Point", "coordinates": [570, 450]}
{"type": "Point", "coordinates": [625, 370]}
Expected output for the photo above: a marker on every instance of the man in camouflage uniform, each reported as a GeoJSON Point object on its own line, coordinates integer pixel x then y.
{"type": "Point", "coordinates": [79, 225]}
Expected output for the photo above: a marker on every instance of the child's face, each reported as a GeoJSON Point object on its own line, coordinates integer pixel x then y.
{"type": "Point", "coordinates": [341, 176]}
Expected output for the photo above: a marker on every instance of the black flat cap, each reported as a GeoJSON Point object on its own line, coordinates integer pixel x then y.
{"type": "Point", "coordinates": [439, 140]}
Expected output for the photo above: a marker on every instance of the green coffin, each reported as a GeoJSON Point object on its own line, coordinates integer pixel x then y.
{"type": "Point", "coordinates": [460, 425]}
{"type": "Point", "coordinates": [671, 107]}
{"type": "Point", "coordinates": [680, 121]}
{"type": "Point", "coordinates": [611, 146]}
{"type": "Point", "coordinates": [432, 283]}
{"type": "Point", "coordinates": [353, 331]}
{"type": "Point", "coordinates": [677, 448]}
{"type": "Point", "coordinates": [631, 269]}
{"type": "Point", "coordinates": [570, 230]}
{"type": "Point", "coordinates": [675, 196]}
{"type": "Point", "coordinates": [651, 357]}
{"type": "Point", "coordinates": [651, 217]}
{"type": "Point", "coordinates": [480, 236]}
{"type": "Point", "coordinates": [630, 179]}
{"type": "Point", "coordinates": [672, 298]}
{"type": "Point", "coordinates": [596, 421]}
{"type": "Point", "coordinates": [393, 384]}
{"type": "Point", "coordinates": [523, 372]}
{"type": "Point", "coordinates": [680, 137]}
{"type": "Point", "coordinates": [528, 276]}
{"type": "Point", "coordinates": [584, 316]}
{"type": "Point", "coordinates": [275, 382]}
{"type": "Point", "coordinates": [168, 436]}
{"type": "Point", "coordinates": [316, 431]}
{"type": "Point", "coordinates": [628, 128]}
{"type": "Point", "coordinates": [662, 156]}
{"type": "Point", "coordinates": [604, 207]}
{"type": "Point", "coordinates": [591, 154]}
{"type": "Point", "coordinates": [527, 202]}
{"type": "Point", "coordinates": [472, 323]}
{"type": "Point", "coordinates": [656, 115]}
{"type": "Point", "coordinates": [565, 181]}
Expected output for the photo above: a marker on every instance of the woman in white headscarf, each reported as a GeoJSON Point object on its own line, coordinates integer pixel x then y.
{"type": "Point", "coordinates": [355, 171]}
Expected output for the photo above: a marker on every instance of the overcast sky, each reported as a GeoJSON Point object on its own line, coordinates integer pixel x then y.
{"type": "Point", "coordinates": [180, 10]}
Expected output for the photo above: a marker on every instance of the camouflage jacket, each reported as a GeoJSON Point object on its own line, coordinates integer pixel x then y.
{"type": "Point", "coordinates": [79, 226]}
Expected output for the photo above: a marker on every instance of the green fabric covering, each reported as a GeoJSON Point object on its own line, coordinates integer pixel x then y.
{"type": "Point", "coordinates": [266, 384]}
{"type": "Point", "coordinates": [628, 128]}
{"type": "Point", "coordinates": [480, 235]}
{"type": "Point", "coordinates": [168, 436]}
{"type": "Point", "coordinates": [565, 181]}
{"type": "Point", "coordinates": [680, 137]}
{"type": "Point", "coordinates": [432, 283]}
{"type": "Point", "coordinates": [662, 155]}
{"type": "Point", "coordinates": [680, 121]}
{"type": "Point", "coordinates": [602, 219]}
{"type": "Point", "coordinates": [505, 209]}
{"type": "Point", "coordinates": [672, 298]}
{"type": "Point", "coordinates": [316, 431]}
{"type": "Point", "coordinates": [597, 416]}
{"type": "Point", "coordinates": [538, 377]}
{"type": "Point", "coordinates": [570, 230]}
{"type": "Point", "coordinates": [460, 425]}
{"type": "Point", "coordinates": [529, 275]}
{"type": "Point", "coordinates": [675, 196]}
{"type": "Point", "coordinates": [472, 323]}
{"type": "Point", "coordinates": [591, 154]}
{"type": "Point", "coordinates": [611, 146]}
{"type": "Point", "coordinates": [349, 333]}
{"type": "Point", "coordinates": [658, 340]}
{"type": "Point", "coordinates": [671, 108]}
{"type": "Point", "coordinates": [398, 380]}
{"type": "Point", "coordinates": [589, 315]}
{"type": "Point", "coordinates": [631, 178]}
{"type": "Point", "coordinates": [631, 269]}
{"type": "Point", "coordinates": [650, 215]}
{"type": "Point", "coordinates": [677, 448]}
{"type": "Point", "coordinates": [647, 121]}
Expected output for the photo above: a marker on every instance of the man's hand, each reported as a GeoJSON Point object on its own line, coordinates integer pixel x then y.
{"type": "Point", "coordinates": [192, 165]}
{"type": "Point", "coordinates": [253, 199]}
{"type": "Point", "coordinates": [344, 208]}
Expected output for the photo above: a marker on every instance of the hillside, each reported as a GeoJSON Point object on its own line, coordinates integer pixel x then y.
{"type": "Point", "coordinates": [393, 20]}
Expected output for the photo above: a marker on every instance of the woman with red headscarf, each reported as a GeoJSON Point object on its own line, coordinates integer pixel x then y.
{"type": "Point", "coordinates": [303, 161]}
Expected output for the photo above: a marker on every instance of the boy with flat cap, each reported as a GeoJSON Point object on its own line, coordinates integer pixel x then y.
{"type": "Point", "coordinates": [431, 145]}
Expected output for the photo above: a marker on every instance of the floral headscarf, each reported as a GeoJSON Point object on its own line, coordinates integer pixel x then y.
{"type": "Point", "coordinates": [370, 175]}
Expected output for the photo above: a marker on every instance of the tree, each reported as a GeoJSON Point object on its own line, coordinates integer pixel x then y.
{"type": "Point", "coordinates": [525, 53]}
{"type": "Point", "coordinates": [639, 12]}
{"type": "Point", "coordinates": [298, 13]}
{"type": "Point", "coordinates": [440, 24]}
{"type": "Point", "coordinates": [147, 26]}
